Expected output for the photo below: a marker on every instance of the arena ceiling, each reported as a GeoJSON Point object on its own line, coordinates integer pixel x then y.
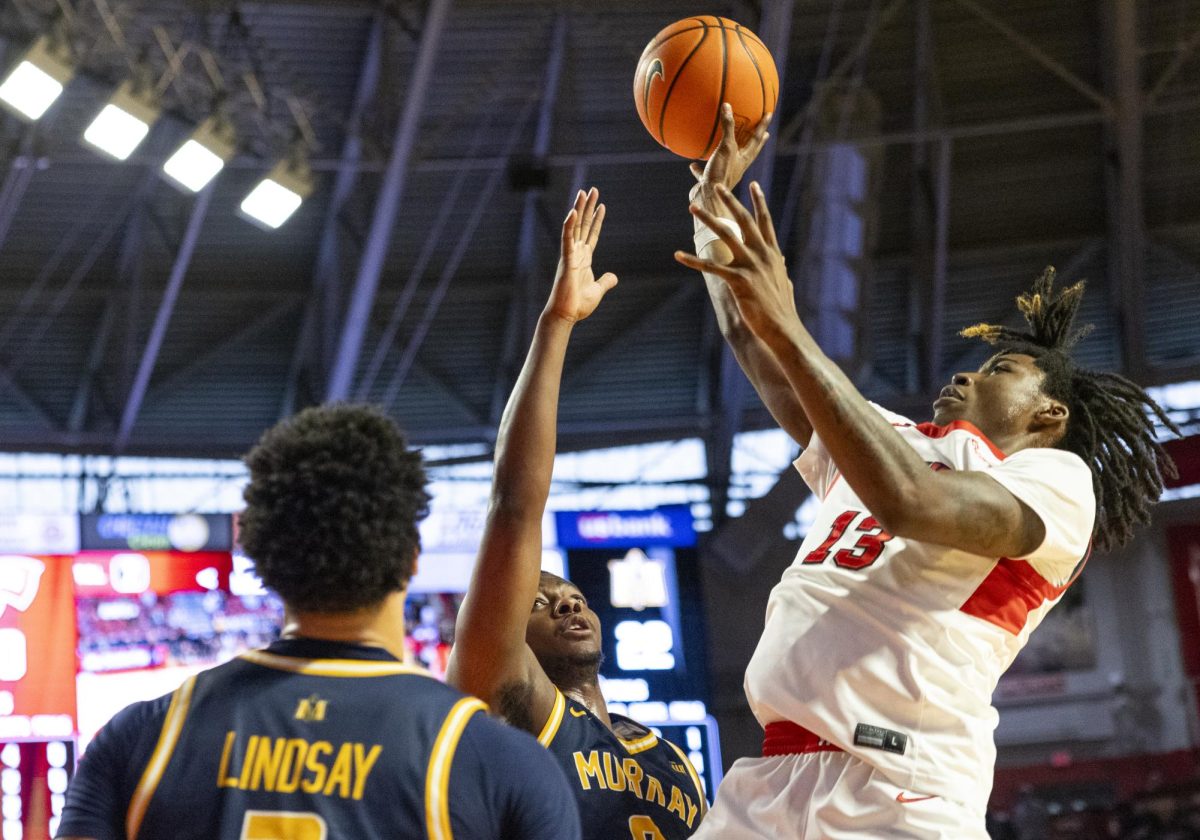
{"type": "Point", "coordinates": [1002, 136]}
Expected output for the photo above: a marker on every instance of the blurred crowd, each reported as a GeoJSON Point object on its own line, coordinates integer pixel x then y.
{"type": "Point", "coordinates": [206, 628]}
{"type": "Point", "coordinates": [1165, 812]}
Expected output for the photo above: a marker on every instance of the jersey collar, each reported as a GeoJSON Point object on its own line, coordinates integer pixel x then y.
{"type": "Point", "coordinates": [308, 648]}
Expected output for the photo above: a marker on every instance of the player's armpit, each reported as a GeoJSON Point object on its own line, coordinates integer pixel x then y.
{"type": "Point", "coordinates": [969, 511]}
{"type": "Point", "coordinates": [527, 705]}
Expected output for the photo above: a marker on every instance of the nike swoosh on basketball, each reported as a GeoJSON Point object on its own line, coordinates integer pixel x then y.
{"type": "Point", "coordinates": [900, 797]}
{"type": "Point", "coordinates": [655, 69]}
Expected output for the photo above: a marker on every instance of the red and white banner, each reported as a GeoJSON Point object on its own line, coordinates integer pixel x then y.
{"type": "Point", "coordinates": [37, 646]}
{"type": "Point", "coordinates": [101, 573]}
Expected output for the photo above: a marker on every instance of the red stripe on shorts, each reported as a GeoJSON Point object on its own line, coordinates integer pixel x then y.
{"type": "Point", "coordinates": [786, 738]}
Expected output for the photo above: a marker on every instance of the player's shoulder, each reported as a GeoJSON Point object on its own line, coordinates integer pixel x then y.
{"type": "Point", "coordinates": [891, 416]}
{"type": "Point", "coordinates": [136, 716]}
{"type": "Point", "coordinates": [1043, 457]}
{"type": "Point", "coordinates": [131, 728]}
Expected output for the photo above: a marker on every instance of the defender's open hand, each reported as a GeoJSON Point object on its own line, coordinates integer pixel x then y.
{"type": "Point", "coordinates": [577, 292]}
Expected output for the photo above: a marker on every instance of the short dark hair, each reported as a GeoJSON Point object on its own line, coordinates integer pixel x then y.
{"type": "Point", "coordinates": [332, 507]}
{"type": "Point", "coordinates": [1109, 425]}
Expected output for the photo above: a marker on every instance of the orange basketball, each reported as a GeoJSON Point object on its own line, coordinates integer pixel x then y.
{"type": "Point", "coordinates": [691, 67]}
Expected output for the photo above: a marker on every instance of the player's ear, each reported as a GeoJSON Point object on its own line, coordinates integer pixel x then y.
{"type": "Point", "coordinates": [1052, 416]}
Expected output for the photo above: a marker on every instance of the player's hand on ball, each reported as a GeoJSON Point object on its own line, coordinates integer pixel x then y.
{"type": "Point", "coordinates": [757, 276]}
{"type": "Point", "coordinates": [577, 291]}
{"type": "Point", "coordinates": [729, 162]}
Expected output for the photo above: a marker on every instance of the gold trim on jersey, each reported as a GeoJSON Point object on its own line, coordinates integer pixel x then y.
{"type": "Point", "coordinates": [638, 745]}
{"type": "Point", "coordinates": [437, 777]}
{"type": "Point", "coordinates": [331, 667]}
{"type": "Point", "coordinates": [152, 775]}
{"type": "Point", "coordinates": [695, 776]}
{"type": "Point", "coordinates": [546, 736]}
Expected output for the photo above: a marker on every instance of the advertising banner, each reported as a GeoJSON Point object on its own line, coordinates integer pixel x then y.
{"type": "Point", "coordinates": [156, 532]}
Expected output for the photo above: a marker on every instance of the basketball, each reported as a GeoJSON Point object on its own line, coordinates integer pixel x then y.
{"type": "Point", "coordinates": [691, 67]}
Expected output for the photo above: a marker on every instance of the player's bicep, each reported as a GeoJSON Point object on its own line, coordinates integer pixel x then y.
{"type": "Point", "coordinates": [489, 643]}
{"type": "Point", "coordinates": [972, 512]}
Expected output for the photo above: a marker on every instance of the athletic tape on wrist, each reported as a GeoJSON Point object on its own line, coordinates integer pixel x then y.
{"type": "Point", "coordinates": [704, 235]}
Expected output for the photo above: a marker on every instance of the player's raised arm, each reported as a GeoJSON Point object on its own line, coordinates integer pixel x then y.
{"type": "Point", "coordinates": [965, 510]}
{"type": "Point", "coordinates": [490, 657]}
{"type": "Point", "coordinates": [726, 167]}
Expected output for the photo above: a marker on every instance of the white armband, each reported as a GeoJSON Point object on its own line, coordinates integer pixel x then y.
{"type": "Point", "coordinates": [704, 235]}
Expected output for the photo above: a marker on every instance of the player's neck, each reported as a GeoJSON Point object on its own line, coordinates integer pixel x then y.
{"type": "Point", "coordinates": [589, 694]}
{"type": "Point", "coordinates": [380, 625]}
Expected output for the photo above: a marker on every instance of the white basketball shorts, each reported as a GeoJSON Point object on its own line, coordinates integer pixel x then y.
{"type": "Point", "coordinates": [828, 796]}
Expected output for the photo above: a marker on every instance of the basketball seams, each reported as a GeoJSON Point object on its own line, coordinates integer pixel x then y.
{"type": "Point", "coordinates": [653, 45]}
{"type": "Point", "coordinates": [724, 80]}
{"type": "Point", "coordinates": [762, 83]}
{"type": "Point", "coordinates": [662, 113]}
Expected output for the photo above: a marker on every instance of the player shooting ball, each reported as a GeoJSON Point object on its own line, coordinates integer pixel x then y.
{"type": "Point", "coordinates": [526, 640]}
{"type": "Point", "coordinates": [938, 547]}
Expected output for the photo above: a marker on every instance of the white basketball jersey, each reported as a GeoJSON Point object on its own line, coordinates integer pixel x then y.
{"type": "Point", "coordinates": [891, 648]}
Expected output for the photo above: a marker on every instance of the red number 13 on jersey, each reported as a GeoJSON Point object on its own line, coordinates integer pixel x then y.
{"type": "Point", "coordinates": [869, 539]}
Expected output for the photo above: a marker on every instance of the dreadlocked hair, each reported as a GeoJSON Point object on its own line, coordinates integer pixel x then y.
{"type": "Point", "coordinates": [1109, 426]}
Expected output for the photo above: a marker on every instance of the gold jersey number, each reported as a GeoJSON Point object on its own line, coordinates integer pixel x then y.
{"type": "Point", "coordinates": [283, 825]}
{"type": "Point", "coordinates": [642, 827]}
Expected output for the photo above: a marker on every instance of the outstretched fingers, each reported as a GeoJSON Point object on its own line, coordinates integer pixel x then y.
{"type": "Point", "coordinates": [587, 213]}
{"type": "Point", "coordinates": [762, 216]}
{"type": "Point", "coordinates": [570, 225]}
{"type": "Point", "coordinates": [593, 237]}
{"type": "Point", "coordinates": [760, 136]}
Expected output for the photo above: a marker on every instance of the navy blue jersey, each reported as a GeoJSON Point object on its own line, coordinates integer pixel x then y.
{"type": "Point", "coordinates": [629, 783]}
{"type": "Point", "coordinates": [308, 740]}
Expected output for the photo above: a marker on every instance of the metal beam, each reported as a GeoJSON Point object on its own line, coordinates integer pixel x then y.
{"type": "Point", "coordinates": [806, 122]}
{"type": "Point", "coordinates": [321, 309]}
{"type": "Point", "coordinates": [179, 376]}
{"type": "Point", "coordinates": [16, 182]}
{"type": "Point", "coordinates": [1123, 180]}
{"type": "Point", "coordinates": [724, 424]}
{"type": "Point", "coordinates": [48, 269]}
{"type": "Point", "coordinates": [518, 320]}
{"type": "Point", "coordinates": [26, 400]}
{"type": "Point", "coordinates": [433, 241]}
{"type": "Point", "coordinates": [930, 215]}
{"type": "Point", "coordinates": [328, 266]}
{"type": "Point", "coordinates": [448, 392]}
{"type": "Point", "coordinates": [158, 331]}
{"type": "Point", "coordinates": [129, 264]}
{"type": "Point", "coordinates": [775, 30]}
{"type": "Point", "coordinates": [375, 249]}
{"type": "Point", "coordinates": [465, 239]}
{"type": "Point", "coordinates": [84, 267]}
{"type": "Point", "coordinates": [1183, 52]}
{"type": "Point", "coordinates": [584, 368]}
{"type": "Point", "coordinates": [33, 339]}
{"type": "Point", "coordinates": [875, 23]}
{"type": "Point", "coordinates": [1035, 52]}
